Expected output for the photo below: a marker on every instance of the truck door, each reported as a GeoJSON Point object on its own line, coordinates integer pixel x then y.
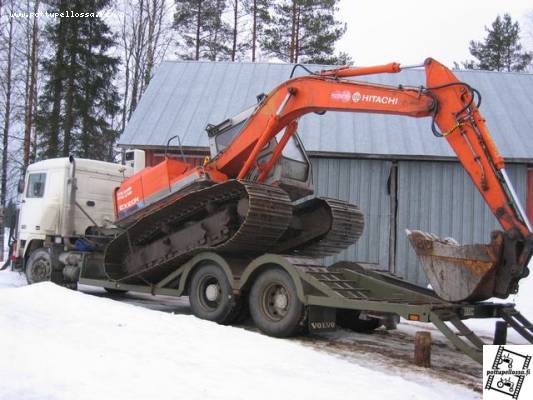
{"type": "Point", "coordinates": [39, 211]}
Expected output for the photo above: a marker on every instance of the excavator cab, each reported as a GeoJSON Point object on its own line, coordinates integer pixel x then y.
{"type": "Point", "coordinates": [292, 172]}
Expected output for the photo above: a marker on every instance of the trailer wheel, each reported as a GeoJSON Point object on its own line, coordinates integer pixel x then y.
{"type": "Point", "coordinates": [210, 295]}
{"type": "Point", "coordinates": [274, 304]}
{"type": "Point", "coordinates": [39, 266]}
{"type": "Point", "coordinates": [349, 319]}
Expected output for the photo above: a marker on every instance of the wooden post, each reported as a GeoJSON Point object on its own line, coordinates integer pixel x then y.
{"type": "Point", "coordinates": [500, 333]}
{"type": "Point", "coordinates": [423, 349]}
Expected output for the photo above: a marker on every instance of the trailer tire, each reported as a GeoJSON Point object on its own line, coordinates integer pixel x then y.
{"type": "Point", "coordinates": [210, 295]}
{"type": "Point", "coordinates": [349, 319]}
{"type": "Point", "coordinates": [274, 304]}
{"type": "Point", "coordinates": [39, 266]}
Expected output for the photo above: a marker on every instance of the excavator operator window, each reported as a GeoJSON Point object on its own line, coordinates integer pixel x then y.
{"type": "Point", "coordinates": [294, 163]}
{"type": "Point", "coordinates": [224, 138]}
{"type": "Point", "coordinates": [292, 150]}
{"type": "Point", "coordinates": [222, 134]}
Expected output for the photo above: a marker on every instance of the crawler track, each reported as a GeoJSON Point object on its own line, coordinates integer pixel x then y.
{"type": "Point", "coordinates": [173, 233]}
{"type": "Point", "coordinates": [236, 217]}
{"type": "Point", "coordinates": [346, 224]}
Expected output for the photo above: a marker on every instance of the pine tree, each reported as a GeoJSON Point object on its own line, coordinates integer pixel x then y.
{"type": "Point", "coordinates": [342, 58]}
{"type": "Point", "coordinates": [78, 101]}
{"type": "Point", "coordinates": [97, 102]}
{"type": "Point", "coordinates": [202, 32]}
{"type": "Point", "coordinates": [239, 46]}
{"type": "Point", "coordinates": [303, 30]}
{"type": "Point", "coordinates": [501, 49]}
{"type": "Point", "coordinates": [48, 120]}
{"type": "Point", "coordinates": [259, 11]}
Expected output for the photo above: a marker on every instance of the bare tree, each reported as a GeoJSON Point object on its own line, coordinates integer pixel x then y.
{"type": "Point", "coordinates": [31, 85]}
{"type": "Point", "coordinates": [7, 87]}
{"type": "Point", "coordinates": [144, 40]}
{"type": "Point", "coordinates": [156, 9]}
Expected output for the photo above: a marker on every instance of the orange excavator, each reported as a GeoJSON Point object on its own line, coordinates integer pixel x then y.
{"type": "Point", "coordinates": [243, 200]}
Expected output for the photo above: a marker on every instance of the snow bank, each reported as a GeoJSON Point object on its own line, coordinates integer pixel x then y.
{"type": "Point", "coordinates": [12, 279]}
{"type": "Point", "coordinates": [60, 344]}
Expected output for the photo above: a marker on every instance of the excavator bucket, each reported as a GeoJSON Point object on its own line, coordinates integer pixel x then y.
{"type": "Point", "coordinates": [459, 273]}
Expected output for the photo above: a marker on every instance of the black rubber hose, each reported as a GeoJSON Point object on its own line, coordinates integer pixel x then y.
{"type": "Point", "coordinates": [303, 67]}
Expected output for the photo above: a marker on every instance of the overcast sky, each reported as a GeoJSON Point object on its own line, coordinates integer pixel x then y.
{"type": "Point", "coordinates": [408, 31]}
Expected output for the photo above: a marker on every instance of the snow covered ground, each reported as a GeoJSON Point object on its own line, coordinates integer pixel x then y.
{"type": "Point", "coordinates": [60, 344]}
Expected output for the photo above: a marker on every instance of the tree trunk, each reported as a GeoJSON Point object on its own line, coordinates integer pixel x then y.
{"type": "Point", "coordinates": [235, 23]}
{"type": "Point", "coordinates": [55, 116]}
{"type": "Point", "coordinates": [5, 137]}
{"type": "Point", "coordinates": [28, 123]}
{"type": "Point", "coordinates": [137, 67]}
{"type": "Point", "coordinates": [152, 17]}
{"type": "Point", "coordinates": [297, 36]}
{"type": "Point", "coordinates": [69, 106]}
{"type": "Point", "coordinates": [33, 144]}
{"type": "Point", "coordinates": [254, 30]}
{"type": "Point", "coordinates": [293, 32]}
{"type": "Point", "coordinates": [198, 22]}
{"type": "Point", "coordinates": [128, 49]}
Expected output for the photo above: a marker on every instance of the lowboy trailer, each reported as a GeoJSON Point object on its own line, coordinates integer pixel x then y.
{"type": "Point", "coordinates": [367, 296]}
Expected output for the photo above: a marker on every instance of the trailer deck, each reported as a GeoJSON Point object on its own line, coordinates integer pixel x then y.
{"type": "Point", "coordinates": [343, 285]}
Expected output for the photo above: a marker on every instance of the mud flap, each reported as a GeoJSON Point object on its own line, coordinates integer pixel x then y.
{"type": "Point", "coordinates": [321, 319]}
{"type": "Point", "coordinates": [472, 272]}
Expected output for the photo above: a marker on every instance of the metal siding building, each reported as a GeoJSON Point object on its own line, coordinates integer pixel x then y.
{"type": "Point", "coordinates": [392, 167]}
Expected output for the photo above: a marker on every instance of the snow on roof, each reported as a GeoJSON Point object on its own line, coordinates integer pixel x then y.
{"type": "Point", "coordinates": [184, 96]}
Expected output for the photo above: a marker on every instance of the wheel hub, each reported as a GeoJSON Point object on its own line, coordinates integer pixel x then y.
{"type": "Point", "coordinates": [280, 300]}
{"type": "Point", "coordinates": [212, 292]}
{"type": "Point", "coordinates": [276, 302]}
{"type": "Point", "coordinates": [41, 270]}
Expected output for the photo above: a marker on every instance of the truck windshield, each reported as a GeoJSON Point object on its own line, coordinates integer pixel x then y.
{"type": "Point", "coordinates": [36, 185]}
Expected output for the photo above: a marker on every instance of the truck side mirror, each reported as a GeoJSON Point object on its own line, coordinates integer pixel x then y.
{"type": "Point", "coordinates": [20, 187]}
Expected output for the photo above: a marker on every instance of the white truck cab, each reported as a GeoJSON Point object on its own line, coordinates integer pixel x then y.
{"type": "Point", "coordinates": [64, 199]}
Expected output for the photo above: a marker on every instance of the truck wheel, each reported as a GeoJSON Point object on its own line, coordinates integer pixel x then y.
{"type": "Point", "coordinates": [210, 295]}
{"type": "Point", "coordinates": [349, 319]}
{"type": "Point", "coordinates": [274, 304]}
{"type": "Point", "coordinates": [38, 267]}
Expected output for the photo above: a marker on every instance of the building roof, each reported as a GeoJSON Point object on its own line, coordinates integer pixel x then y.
{"type": "Point", "coordinates": [184, 96]}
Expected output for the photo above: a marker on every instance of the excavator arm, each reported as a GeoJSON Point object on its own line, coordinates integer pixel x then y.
{"type": "Point", "coordinates": [457, 273]}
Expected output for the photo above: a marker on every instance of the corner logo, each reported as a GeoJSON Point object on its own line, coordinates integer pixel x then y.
{"type": "Point", "coordinates": [506, 374]}
{"type": "Point", "coordinates": [356, 97]}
